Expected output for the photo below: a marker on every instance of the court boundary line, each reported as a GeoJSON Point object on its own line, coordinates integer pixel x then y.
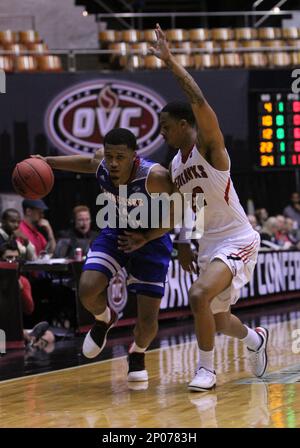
{"type": "Point", "coordinates": [87, 365]}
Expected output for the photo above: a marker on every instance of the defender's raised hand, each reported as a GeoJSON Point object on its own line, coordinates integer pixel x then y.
{"type": "Point", "coordinates": [161, 47]}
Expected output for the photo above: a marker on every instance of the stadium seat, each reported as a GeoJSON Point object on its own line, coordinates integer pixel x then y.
{"type": "Point", "coordinates": [40, 48]}
{"type": "Point", "coordinates": [269, 33]}
{"type": "Point", "coordinates": [8, 37]}
{"type": "Point", "coordinates": [231, 60]}
{"type": "Point", "coordinates": [222, 34]}
{"type": "Point", "coordinates": [295, 55]}
{"type": "Point", "coordinates": [177, 35]}
{"type": "Point", "coordinates": [184, 46]}
{"type": "Point", "coordinates": [26, 64]}
{"type": "Point", "coordinates": [251, 43]}
{"type": "Point", "coordinates": [229, 44]}
{"type": "Point", "coordinates": [274, 43]}
{"type": "Point", "coordinates": [185, 60]}
{"type": "Point", "coordinates": [133, 62]}
{"type": "Point", "coordinates": [139, 48]}
{"type": "Point", "coordinates": [15, 48]}
{"type": "Point", "coordinates": [208, 45]}
{"type": "Point", "coordinates": [29, 36]}
{"type": "Point", "coordinates": [130, 36]}
{"type": "Point", "coordinates": [290, 33]}
{"type": "Point", "coordinates": [245, 33]}
{"type": "Point", "coordinates": [149, 36]}
{"type": "Point", "coordinates": [109, 36]}
{"type": "Point", "coordinates": [279, 59]}
{"type": "Point", "coordinates": [199, 34]}
{"type": "Point", "coordinates": [255, 60]}
{"type": "Point", "coordinates": [49, 63]}
{"type": "Point", "coordinates": [206, 60]}
{"type": "Point", "coordinates": [6, 63]}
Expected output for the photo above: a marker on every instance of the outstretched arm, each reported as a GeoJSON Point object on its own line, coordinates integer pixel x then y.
{"type": "Point", "coordinates": [76, 164]}
{"type": "Point", "coordinates": [210, 138]}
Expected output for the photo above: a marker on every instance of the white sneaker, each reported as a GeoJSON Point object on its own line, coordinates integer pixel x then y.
{"type": "Point", "coordinates": [204, 380]}
{"type": "Point", "coordinates": [258, 358]}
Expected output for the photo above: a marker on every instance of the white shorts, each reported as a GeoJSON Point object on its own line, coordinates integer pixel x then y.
{"type": "Point", "coordinates": [239, 253]}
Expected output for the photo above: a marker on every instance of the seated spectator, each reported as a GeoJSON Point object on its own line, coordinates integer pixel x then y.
{"type": "Point", "coordinates": [32, 224]}
{"type": "Point", "coordinates": [80, 235]}
{"type": "Point", "coordinates": [293, 209]}
{"type": "Point", "coordinates": [40, 336]}
{"type": "Point", "coordinates": [267, 235]}
{"type": "Point", "coordinates": [10, 232]}
{"type": "Point", "coordinates": [292, 233]}
{"type": "Point", "coordinates": [261, 215]}
{"type": "Point", "coordinates": [9, 252]}
{"type": "Point", "coordinates": [281, 235]}
{"type": "Point", "coordinates": [253, 221]}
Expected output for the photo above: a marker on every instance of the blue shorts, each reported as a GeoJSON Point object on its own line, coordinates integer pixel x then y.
{"type": "Point", "coordinates": [147, 266]}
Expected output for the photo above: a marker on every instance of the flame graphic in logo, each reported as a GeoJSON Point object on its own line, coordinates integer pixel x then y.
{"type": "Point", "coordinates": [107, 98]}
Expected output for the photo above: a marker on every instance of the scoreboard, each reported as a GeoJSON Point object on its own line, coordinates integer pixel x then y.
{"type": "Point", "coordinates": [277, 131]}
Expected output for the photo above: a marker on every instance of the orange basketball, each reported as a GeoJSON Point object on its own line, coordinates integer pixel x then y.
{"type": "Point", "coordinates": [33, 178]}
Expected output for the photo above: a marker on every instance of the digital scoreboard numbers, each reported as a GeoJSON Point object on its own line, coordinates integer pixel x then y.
{"type": "Point", "coordinates": [278, 130]}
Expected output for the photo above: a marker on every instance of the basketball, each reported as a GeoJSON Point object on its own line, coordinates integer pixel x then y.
{"type": "Point", "coordinates": [33, 178]}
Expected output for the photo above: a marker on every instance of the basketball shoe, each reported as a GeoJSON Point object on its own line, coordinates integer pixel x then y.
{"type": "Point", "coordinates": [258, 358]}
{"type": "Point", "coordinates": [95, 340]}
{"type": "Point", "coordinates": [136, 367]}
{"type": "Point", "coordinates": [204, 380]}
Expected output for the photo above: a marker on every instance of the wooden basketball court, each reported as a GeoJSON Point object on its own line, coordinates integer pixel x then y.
{"type": "Point", "coordinates": [98, 395]}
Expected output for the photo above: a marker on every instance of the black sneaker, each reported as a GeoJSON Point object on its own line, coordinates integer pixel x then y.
{"type": "Point", "coordinates": [39, 330]}
{"type": "Point", "coordinates": [95, 340]}
{"type": "Point", "coordinates": [137, 370]}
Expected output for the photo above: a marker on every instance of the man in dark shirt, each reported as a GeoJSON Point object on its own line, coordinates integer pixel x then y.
{"type": "Point", "coordinates": [79, 236]}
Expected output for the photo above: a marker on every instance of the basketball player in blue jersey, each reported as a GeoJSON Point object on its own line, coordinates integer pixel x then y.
{"type": "Point", "coordinates": [228, 248]}
{"type": "Point", "coordinates": [107, 255]}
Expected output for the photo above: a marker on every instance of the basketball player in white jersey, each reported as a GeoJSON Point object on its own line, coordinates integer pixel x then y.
{"type": "Point", "coordinates": [228, 249]}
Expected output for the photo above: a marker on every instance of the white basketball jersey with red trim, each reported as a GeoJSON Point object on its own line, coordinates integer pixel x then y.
{"type": "Point", "coordinates": [223, 213]}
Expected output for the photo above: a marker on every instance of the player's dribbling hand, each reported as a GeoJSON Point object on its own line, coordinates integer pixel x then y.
{"type": "Point", "coordinates": [131, 241]}
{"type": "Point", "coordinates": [187, 258]}
{"type": "Point", "coordinates": [161, 48]}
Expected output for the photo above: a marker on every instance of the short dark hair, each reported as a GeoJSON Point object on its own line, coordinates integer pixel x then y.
{"type": "Point", "coordinates": [8, 245]}
{"type": "Point", "coordinates": [7, 212]}
{"type": "Point", "coordinates": [180, 110]}
{"type": "Point", "coordinates": [120, 136]}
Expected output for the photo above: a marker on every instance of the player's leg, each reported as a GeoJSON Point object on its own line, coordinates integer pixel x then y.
{"type": "Point", "coordinates": [216, 278]}
{"type": "Point", "coordinates": [102, 263]}
{"type": "Point", "coordinates": [144, 332]}
{"type": "Point", "coordinates": [148, 271]}
{"type": "Point", "coordinates": [255, 340]}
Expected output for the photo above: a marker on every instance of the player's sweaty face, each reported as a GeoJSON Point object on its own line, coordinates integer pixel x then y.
{"type": "Point", "coordinates": [119, 161]}
{"type": "Point", "coordinates": [171, 130]}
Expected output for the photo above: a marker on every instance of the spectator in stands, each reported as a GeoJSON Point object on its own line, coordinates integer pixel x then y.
{"type": "Point", "coordinates": [261, 215]}
{"type": "Point", "coordinates": [293, 209]}
{"type": "Point", "coordinates": [9, 252]}
{"type": "Point", "coordinates": [80, 235]}
{"type": "Point", "coordinates": [267, 235]}
{"type": "Point", "coordinates": [292, 233]}
{"type": "Point", "coordinates": [281, 235]}
{"type": "Point", "coordinates": [10, 232]}
{"type": "Point", "coordinates": [253, 221]}
{"type": "Point", "coordinates": [34, 223]}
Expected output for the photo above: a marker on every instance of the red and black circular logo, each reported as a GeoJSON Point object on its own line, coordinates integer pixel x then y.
{"type": "Point", "coordinates": [78, 119]}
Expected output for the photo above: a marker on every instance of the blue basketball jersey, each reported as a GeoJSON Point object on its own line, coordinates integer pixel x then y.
{"type": "Point", "coordinates": [129, 197]}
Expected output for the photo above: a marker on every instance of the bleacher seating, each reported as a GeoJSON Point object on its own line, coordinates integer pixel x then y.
{"type": "Point", "coordinates": [210, 48]}
{"type": "Point", "coordinates": [24, 51]}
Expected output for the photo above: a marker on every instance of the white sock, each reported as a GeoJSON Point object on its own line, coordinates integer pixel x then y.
{"type": "Point", "coordinates": [253, 339]}
{"type": "Point", "coordinates": [207, 359]}
{"type": "Point", "coordinates": [105, 316]}
{"type": "Point", "coordinates": [135, 348]}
